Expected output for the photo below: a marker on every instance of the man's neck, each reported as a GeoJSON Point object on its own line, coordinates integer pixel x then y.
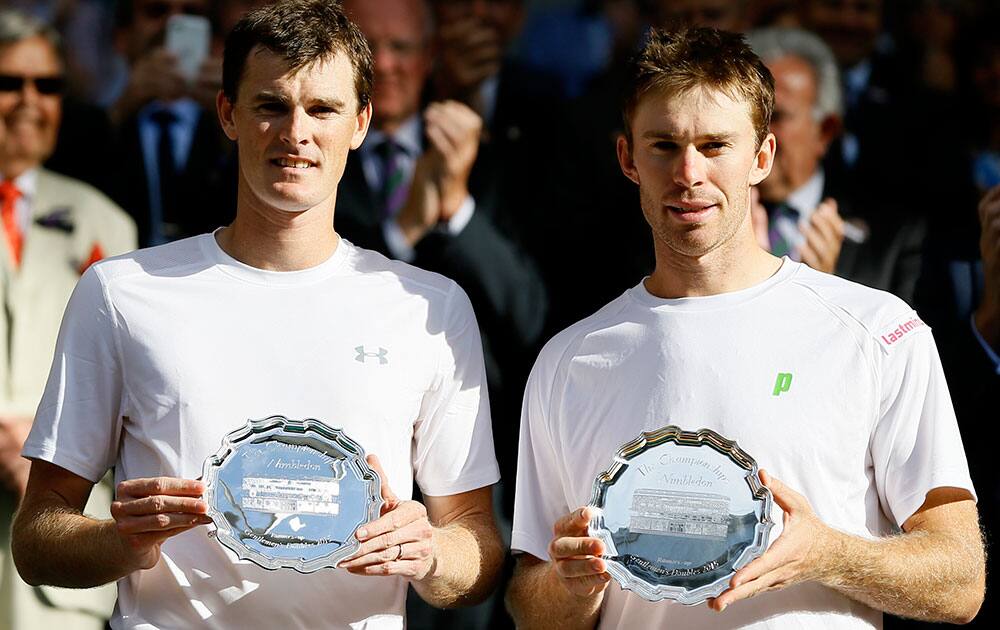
{"type": "Point", "coordinates": [14, 168]}
{"type": "Point", "coordinates": [731, 267]}
{"type": "Point", "coordinates": [274, 240]}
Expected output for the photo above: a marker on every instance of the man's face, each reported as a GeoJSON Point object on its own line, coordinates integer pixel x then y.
{"type": "Point", "coordinates": [31, 117]}
{"type": "Point", "coordinates": [849, 27]}
{"type": "Point", "coordinates": [149, 23]}
{"type": "Point", "coordinates": [694, 156]}
{"type": "Point", "coordinates": [503, 17]}
{"type": "Point", "coordinates": [293, 129]}
{"type": "Point", "coordinates": [396, 30]}
{"type": "Point", "coordinates": [725, 15]}
{"type": "Point", "coordinates": [802, 139]}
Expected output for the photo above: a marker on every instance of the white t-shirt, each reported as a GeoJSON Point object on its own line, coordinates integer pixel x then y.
{"type": "Point", "coordinates": [165, 350]}
{"type": "Point", "coordinates": [864, 428]}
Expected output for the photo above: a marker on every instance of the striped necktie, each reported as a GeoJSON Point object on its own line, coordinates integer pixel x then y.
{"type": "Point", "coordinates": [9, 194]}
{"type": "Point", "coordinates": [781, 245]}
{"type": "Point", "coordinates": [395, 186]}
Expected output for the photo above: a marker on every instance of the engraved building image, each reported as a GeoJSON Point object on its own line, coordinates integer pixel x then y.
{"type": "Point", "coordinates": [688, 514]}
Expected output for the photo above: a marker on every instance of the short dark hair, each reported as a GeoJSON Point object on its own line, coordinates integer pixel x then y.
{"type": "Point", "coordinates": [301, 31]}
{"type": "Point", "coordinates": [678, 60]}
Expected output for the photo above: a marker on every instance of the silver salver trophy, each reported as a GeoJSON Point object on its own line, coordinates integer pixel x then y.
{"type": "Point", "coordinates": [679, 512]}
{"type": "Point", "coordinates": [290, 493]}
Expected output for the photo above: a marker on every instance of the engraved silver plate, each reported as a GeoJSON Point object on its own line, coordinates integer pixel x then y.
{"type": "Point", "coordinates": [290, 493]}
{"type": "Point", "coordinates": [679, 512]}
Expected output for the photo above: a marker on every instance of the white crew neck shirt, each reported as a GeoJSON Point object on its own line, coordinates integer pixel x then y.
{"type": "Point", "coordinates": [164, 351]}
{"type": "Point", "coordinates": [864, 430]}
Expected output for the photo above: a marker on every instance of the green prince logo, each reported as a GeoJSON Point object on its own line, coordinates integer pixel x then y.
{"type": "Point", "coordinates": [782, 384]}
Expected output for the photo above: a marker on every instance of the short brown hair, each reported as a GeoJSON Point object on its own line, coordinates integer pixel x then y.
{"type": "Point", "coordinates": [301, 31]}
{"type": "Point", "coordinates": [682, 59]}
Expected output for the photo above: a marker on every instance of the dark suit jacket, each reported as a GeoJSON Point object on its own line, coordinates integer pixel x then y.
{"type": "Point", "coordinates": [208, 185]}
{"type": "Point", "coordinates": [890, 257]}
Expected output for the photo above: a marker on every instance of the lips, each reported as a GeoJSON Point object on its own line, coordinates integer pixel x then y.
{"type": "Point", "coordinates": [293, 162]}
{"type": "Point", "coordinates": [692, 212]}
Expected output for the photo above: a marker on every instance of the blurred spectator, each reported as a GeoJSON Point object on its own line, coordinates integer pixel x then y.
{"type": "Point", "coordinates": [879, 117]}
{"type": "Point", "coordinates": [805, 204]}
{"type": "Point", "coordinates": [172, 154]}
{"type": "Point", "coordinates": [518, 104]}
{"type": "Point", "coordinates": [53, 227]}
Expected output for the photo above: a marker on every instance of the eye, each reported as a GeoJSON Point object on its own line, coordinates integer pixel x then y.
{"type": "Point", "coordinates": [322, 111]}
{"type": "Point", "coordinates": [271, 107]}
{"type": "Point", "coordinates": [713, 148]}
{"type": "Point", "coordinates": [664, 145]}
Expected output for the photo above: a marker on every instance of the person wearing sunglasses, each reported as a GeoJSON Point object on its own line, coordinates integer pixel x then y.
{"type": "Point", "coordinates": [51, 227]}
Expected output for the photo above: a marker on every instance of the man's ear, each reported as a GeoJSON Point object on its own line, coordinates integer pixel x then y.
{"type": "Point", "coordinates": [764, 160]}
{"type": "Point", "coordinates": [224, 107]}
{"type": "Point", "coordinates": [625, 159]}
{"type": "Point", "coordinates": [364, 119]}
{"type": "Point", "coordinates": [829, 128]}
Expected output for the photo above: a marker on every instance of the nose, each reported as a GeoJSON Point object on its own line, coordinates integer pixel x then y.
{"type": "Point", "coordinates": [384, 59]}
{"type": "Point", "coordinates": [689, 168]}
{"type": "Point", "coordinates": [296, 128]}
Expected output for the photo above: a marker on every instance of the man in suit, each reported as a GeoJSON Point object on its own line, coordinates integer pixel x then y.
{"type": "Point", "coordinates": [812, 217]}
{"type": "Point", "coordinates": [53, 227]}
{"type": "Point", "coordinates": [176, 167]}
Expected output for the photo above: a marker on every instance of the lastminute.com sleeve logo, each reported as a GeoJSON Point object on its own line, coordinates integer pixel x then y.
{"type": "Point", "coordinates": [382, 356]}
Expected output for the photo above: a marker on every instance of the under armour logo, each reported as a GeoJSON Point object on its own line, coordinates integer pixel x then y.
{"type": "Point", "coordinates": [380, 355]}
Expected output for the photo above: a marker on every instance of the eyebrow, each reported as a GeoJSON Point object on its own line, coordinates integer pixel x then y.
{"type": "Point", "coordinates": [269, 96]}
{"type": "Point", "coordinates": [708, 137]}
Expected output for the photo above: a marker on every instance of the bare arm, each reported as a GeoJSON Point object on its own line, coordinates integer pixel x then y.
{"type": "Point", "coordinates": [934, 571]}
{"type": "Point", "coordinates": [567, 591]}
{"type": "Point", "coordinates": [54, 543]}
{"type": "Point", "coordinates": [449, 549]}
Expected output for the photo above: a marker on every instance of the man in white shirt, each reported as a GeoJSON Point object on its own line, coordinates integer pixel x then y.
{"type": "Point", "coordinates": [834, 388]}
{"type": "Point", "coordinates": [165, 351]}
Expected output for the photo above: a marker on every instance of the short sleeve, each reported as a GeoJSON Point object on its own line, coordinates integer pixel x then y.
{"type": "Point", "coordinates": [916, 445]}
{"type": "Point", "coordinates": [78, 422]}
{"type": "Point", "coordinates": [453, 439]}
{"type": "Point", "coordinates": [540, 499]}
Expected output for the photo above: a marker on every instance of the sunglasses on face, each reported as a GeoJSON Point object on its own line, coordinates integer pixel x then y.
{"type": "Point", "coordinates": [44, 85]}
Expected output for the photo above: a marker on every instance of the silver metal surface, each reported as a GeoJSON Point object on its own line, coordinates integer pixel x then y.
{"type": "Point", "coordinates": [290, 493]}
{"type": "Point", "coordinates": [679, 512]}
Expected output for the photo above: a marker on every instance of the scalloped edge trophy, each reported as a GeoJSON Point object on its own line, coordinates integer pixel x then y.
{"type": "Point", "coordinates": [679, 512]}
{"type": "Point", "coordinates": [290, 493]}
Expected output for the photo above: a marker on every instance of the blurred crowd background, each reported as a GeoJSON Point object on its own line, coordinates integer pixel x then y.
{"type": "Point", "coordinates": [492, 160]}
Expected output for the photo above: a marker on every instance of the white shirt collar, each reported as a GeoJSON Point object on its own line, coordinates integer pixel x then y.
{"type": "Point", "coordinates": [27, 183]}
{"type": "Point", "coordinates": [807, 196]}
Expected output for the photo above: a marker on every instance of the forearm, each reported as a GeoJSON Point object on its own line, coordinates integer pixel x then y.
{"type": "Point", "coordinates": [536, 599]}
{"type": "Point", "coordinates": [928, 575]}
{"type": "Point", "coordinates": [467, 562]}
{"type": "Point", "coordinates": [58, 546]}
